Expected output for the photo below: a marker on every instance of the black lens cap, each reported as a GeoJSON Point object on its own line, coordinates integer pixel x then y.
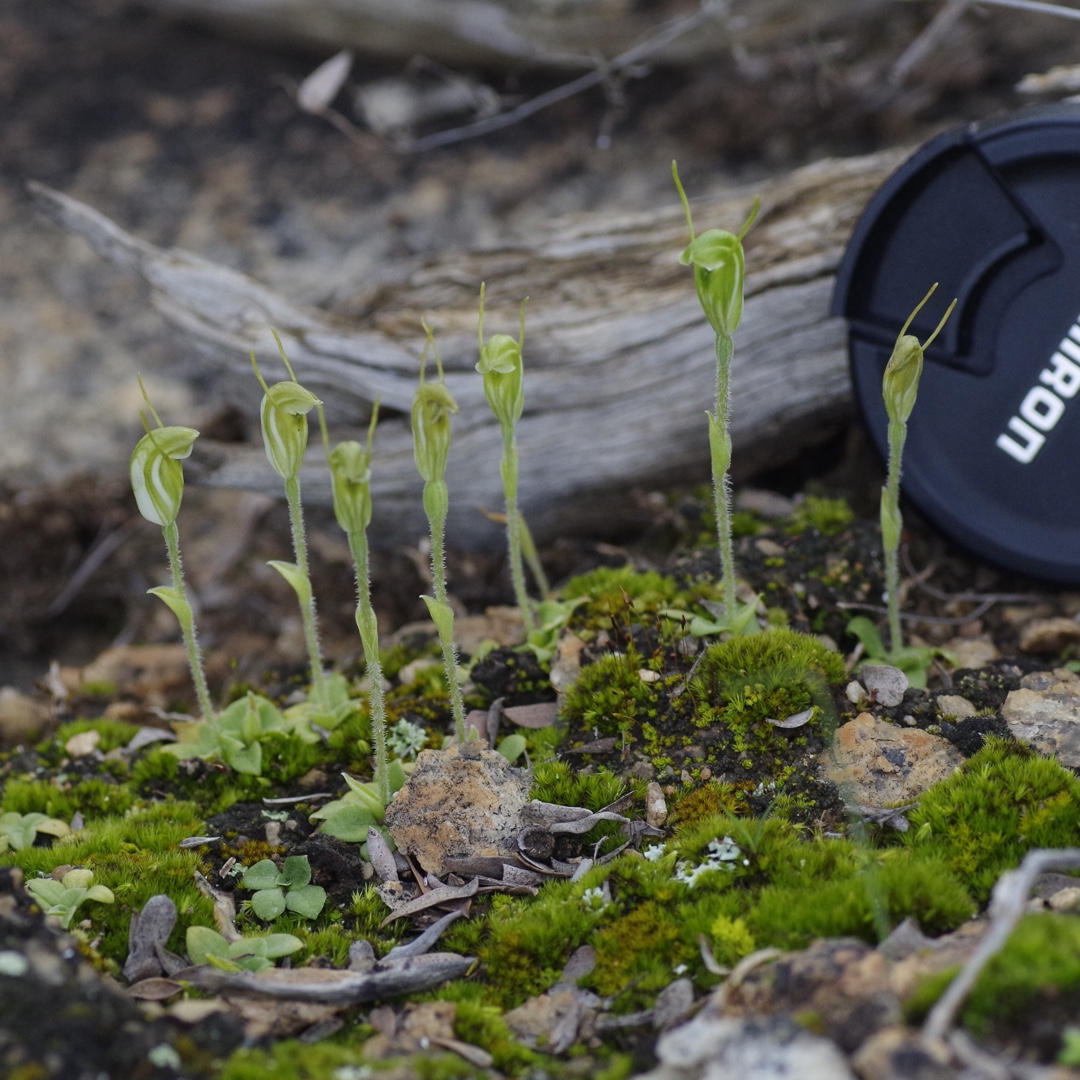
{"type": "Point", "coordinates": [992, 213]}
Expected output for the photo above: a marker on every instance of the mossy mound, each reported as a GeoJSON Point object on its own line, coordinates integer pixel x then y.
{"type": "Point", "coordinates": [665, 717]}
{"type": "Point", "coordinates": [742, 884]}
{"type": "Point", "coordinates": [1002, 803]}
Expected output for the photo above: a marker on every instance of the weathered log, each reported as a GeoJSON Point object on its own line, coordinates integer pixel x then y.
{"type": "Point", "coordinates": [620, 365]}
{"type": "Point", "coordinates": [516, 33]}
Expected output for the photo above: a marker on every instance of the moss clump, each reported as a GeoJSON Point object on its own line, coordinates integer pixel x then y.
{"type": "Point", "coordinates": [137, 857]}
{"type": "Point", "coordinates": [776, 674]}
{"type": "Point", "coordinates": [1031, 989]}
{"type": "Point", "coordinates": [830, 517]}
{"type": "Point", "coordinates": [610, 697]}
{"type": "Point", "coordinates": [525, 945]}
{"type": "Point", "coordinates": [712, 799]}
{"type": "Point", "coordinates": [637, 956]}
{"type": "Point", "coordinates": [92, 798]}
{"type": "Point", "coordinates": [1002, 803]}
{"type": "Point", "coordinates": [613, 591]}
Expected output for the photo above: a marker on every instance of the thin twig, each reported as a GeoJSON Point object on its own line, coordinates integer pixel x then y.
{"type": "Point", "coordinates": [1007, 904]}
{"type": "Point", "coordinates": [103, 546]}
{"type": "Point", "coordinates": [939, 620]}
{"type": "Point", "coordinates": [1036, 6]}
{"type": "Point", "coordinates": [621, 64]}
{"type": "Point", "coordinates": [937, 29]}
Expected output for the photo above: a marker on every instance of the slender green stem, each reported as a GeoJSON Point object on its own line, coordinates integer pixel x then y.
{"type": "Point", "coordinates": [720, 446]}
{"type": "Point", "coordinates": [368, 626]}
{"type": "Point", "coordinates": [434, 503]}
{"type": "Point", "coordinates": [528, 547]}
{"type": "Point", "coordinates": [891, 536]}
{"type": "Point", "coordinates": [187, 625]}
{"type": "Point", "coordinates": [509, 469]}
{"type": "Point", "coordinates": [307, 604]}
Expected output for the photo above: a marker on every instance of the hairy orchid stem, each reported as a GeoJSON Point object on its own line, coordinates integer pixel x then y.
{"type": "Point", "coordinates": [369, 638]}
{"type": "Point", "coordinates": [891, 493]}
{"type": "Point", "coordinates": [514, 530]}
{"type": "Point", "coordinates": [187, 623]}
{"type": "Point", "coordinates": [434, 501]}
{"type": "Point", "coordinates": [720, 448]}
{"type": "Point", "coordinates": [307, 603]}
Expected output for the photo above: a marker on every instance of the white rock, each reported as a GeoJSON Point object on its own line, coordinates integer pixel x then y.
{"type": "Point", "coordinates": [750, 1048]}
{"type": "Point", "coordinates": [1048, 719]}
{"type": "Point", "coordinates": [884, 684]}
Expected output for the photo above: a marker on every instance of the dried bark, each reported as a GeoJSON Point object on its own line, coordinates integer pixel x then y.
{"type": "Point", "coordinates": [517, 33]}
{"type": "Point", "coordinates": [620, 366]}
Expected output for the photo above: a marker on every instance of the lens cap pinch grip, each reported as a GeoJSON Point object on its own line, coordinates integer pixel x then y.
{"type": "Point", "coordinates": [992, 213]}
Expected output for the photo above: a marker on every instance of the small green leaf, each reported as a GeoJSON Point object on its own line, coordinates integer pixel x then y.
{"type": "Point", "coordinates": [268, 904]}
{"type": "Point", "coordinates": [442, 615]}
{"type": "Point", "coordinates": [263, 875]}
{"type": "Point", "coordinates": [295, 577]}
{"type": "Point", "coordinates": [863, 629]}
{"type": "Point", "coordinates": [295, 872]}
{"type": "Point", "coordinates": [348, 823]}
{"type": "Point", "coordinates": [275, 945]}
{"type": "Point", "coordinates": [512, 747]}
{"type": "Point", "coordinates": [175, 603]}
{"type": "Point", "coordinates": [245, 759]}
{"type": "Point", "coordinates": [307, 901]}
{"type": "Point", "coordinates": [202, 942]}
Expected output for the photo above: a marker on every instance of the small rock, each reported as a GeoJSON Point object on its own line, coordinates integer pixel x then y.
{"type": "Point", "coordinates": [955, 705]}
{"type": "Point", "coordinates": [461, 802]}
{"type": "Point", "coordinates": [842, 982]}
{"type": "Point", "coordinates": [1065, 899]}
{"type": "Point", "coordinates": [770, 505]}
{"type": "Point", "coordinates": [769, 548]}
{"type": "Point", "coordinates": [878, 764]}
{"type": "Point", "coordinates": [855, 692]}
{"type": "Point", "coordinates": [82, 745]}
{"type": "Point", "coordinates": [567, 664]}
{"type": "Point", "coordinates": [751, 1048]}
{"type": "Point", "coordinates": [655, 805]}
{"type": "Point", "coordinates": [1048, 636]}
{"type": "Point", "coordinates": [884, 684]}
{"type": "Point", "coordinates": [673, 1004]}
{"type": "Point", "coordinates": [971, 653]}
{"type": "Point", "coordinates": [22, 718]}
{"type": "Point", "coordinates": [1048, 719]}
{"type": "Point", "coordinates": [900, 1054]}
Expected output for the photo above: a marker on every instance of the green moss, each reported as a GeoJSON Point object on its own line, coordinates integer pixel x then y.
{"type": "Point", "coordinates": [558, 782]}
{"type": "Point", "coordinates": [368, 911]}
{"type": "Point", "coordinates": [284, 758]}
{"type": "Point", "coordinates": [137, 857]}
{"type": "Point", "coordinates": [1003, 802]}
{"type": "Point", "coordinates": [830, 517]}
{"type": "Point", "coordinates": [1032, 983]}
{"type": "Point", "coordinates": [637, 956]}
{"type": "Point", "coordinates": [612, 591]}
{"type": "Point", "coordinates": [114, 733]}
{"type": "Point", "coordinates": [708, 801]}
{"type": "Point", "coordinates": [609, 697]}
{"type": "Point", "coordinates": [859, 900]}
{"type": "Point", "coordinates": [766, 674]}
{"type": "Point", "coordinates": [291, 1059]}
{"type": "Point", "coordinates": [526, 943]}
{"type": "Point", "coordinates": [479, 1022]}
{"type": "Point", "coordinates": [92, 798]}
